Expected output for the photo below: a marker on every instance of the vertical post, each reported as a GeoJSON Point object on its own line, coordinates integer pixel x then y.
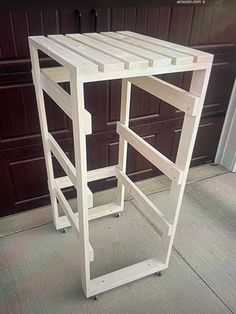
{"type": "Point", "coordinates": [44, 131]}
{"type": "Point", "coordinates": [79, 136]}
{"type": "Point", "coordinates": [124, 119]}
{"type": "Point", "coordinates": [198, 88]}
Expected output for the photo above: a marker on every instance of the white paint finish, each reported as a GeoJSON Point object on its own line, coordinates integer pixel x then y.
{"type": "Point", "coordinates": [126, 73]}
{"type": "Point", "coordinates": [187, 140]}
{"type": "Point", "coordinates": [125, 275]}
{"type": "Point", "coordinates": [63, 160]}
{"type": "Point", "coordinates": [131, 61]}
{"type": "Point", "coordinates": [65, 182]}
{"type": "Point", "coordinates": [57, 74]}
{"type": "Point", "coordinates": [104, 210]}
{"type": "Point", "coordinates": [60, 74]}
{"type": "Point", "coordinates": [199, 56]}
{"type": "Point", "coordinates": [105, 62]}
{"type": "Point", "coordinates": [155, 59]}
{"type": "Point", "coordinates": [176, 56]}
{"type": "Point", "coordinates": [79, 176]}
{"type": "Point", "coordinates": [171, 94]}
{"type": "Point", "coordinates": [70, 216]}
{"type": "Point", "coordinates": [101, 173]}
{"type": "Point", "coordinates": [151, 154]}
{"type": "Point", "coordinates": [44, 129]}
{"type": "Point", "coordinates": [79, 137]}
{"type": "Point", "coordinates": [93, 213]}
{"type": "Point", "coordinates": [226, 152]}
{"type": "Point", "coordinates": [57, 93]}
{"type": "Point", "coordinates": [149, 210]}
{"type": "Point", "coordinates": [63, 99]}
{"type": "Point", "coordinates": [64, 56]}
{"type": "Point", "coordinates": [122, 154]}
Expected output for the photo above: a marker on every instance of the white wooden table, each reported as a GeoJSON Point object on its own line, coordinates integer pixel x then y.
{"type": "Point", "coordinates": [134, 58]}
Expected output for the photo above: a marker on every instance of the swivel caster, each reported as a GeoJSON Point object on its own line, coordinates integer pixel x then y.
{"type": "Point", "coordinates": [158, 273]}
{"type": "Point", "coordinates": [63, 230]}
{"type": "Point", "coordinates": [117, 215]}
{"type": "Point", "coordinates": [94, 298]}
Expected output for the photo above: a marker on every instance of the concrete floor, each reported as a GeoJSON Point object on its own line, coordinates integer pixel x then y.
{"type": "Point", "coordinates": [39, 267]}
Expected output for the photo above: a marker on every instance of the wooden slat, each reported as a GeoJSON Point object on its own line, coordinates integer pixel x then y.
{"type": "Point", "coordinates": [74, 221]}
{"type": "Point", "coordinates": [150, 211]}
{"type": "Point", "coordinates": [65, 182]}
{"type": "Point", "coordinates": [63, 55]}
{"type": "Point", "coordinates": [173, 95]}
{"type": "Point", "coordinates": [93, 213]}
{"type": "Point", "coordinates": [63, 160]}
{"type": "Point", "coordinates": [63, 99]}
{"type": "Point", "coordinates": [101, 173]}
{"type": "Point", "coordinates": [150, 153]}
{"type": "Point", "coordinates": [155, 59]}
{"type": "Point", "coordinates": [57, 74]}
{"type": "Point", "coordinates": [93, 175]}
{"type": "Point", "coordinates": [58, 94]}
{"type": "Point", "coordinates": [101, 76]}
{"type": "Point", "coordinates": [131, 61]}
{"type": "Point", "coordinates": [198, 56]}
{"type": "Point", "coordinates": [125, 275]}
{"type": "Point", "coordinates": [105, 62]}
{"type": "Point", "coordinates": [103, 210]}
{"type": "Point", "coordinates": [176, 56]}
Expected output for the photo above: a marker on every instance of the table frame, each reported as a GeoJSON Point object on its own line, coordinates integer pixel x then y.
{"type": "Point", "coordinates": [190, 103]}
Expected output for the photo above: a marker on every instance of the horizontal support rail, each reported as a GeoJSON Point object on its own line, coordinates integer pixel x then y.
{"type": "Point", "coordinates": [125, 275]}
{"type": "Point", "coordinates": [74, 221]}
{"type": "Point", "coordinates": [101, 173]}
{"type": "Point", "coordinates": [150, 153]}
{"type": "Point", "coordinates": [63, 99]}
{"type": "Point", "coordinates": [92, 175]}
{"type": "Point", "coordinates": [65, 182]}
{"type": "Point", "coordinates": [147, 207]}
{"type": "Point", "coordinates": [169, 93]}
{"type": "Point", "coordinates": [93, 213]}
{"type": "Point", "coordinates": [104, 210]}
{"type": "Point", "coordinates": [57, 93]}
{"type": "Point", "coordinates": [57, 74]}
{"type": "Point", "coordinates": [63, 160]}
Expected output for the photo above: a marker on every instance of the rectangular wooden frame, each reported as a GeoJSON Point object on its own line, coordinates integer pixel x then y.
{"type": "Point", "coordinates": [75, 71]}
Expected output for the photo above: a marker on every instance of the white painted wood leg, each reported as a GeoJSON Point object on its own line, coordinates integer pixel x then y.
{"type": "Point", "coordinates": [79, 136]}
{"type": "Point", "coordinates": [188, 135]}
{"type": "Point", "coordinates": [44, 131]}
{"type": "Point", "coordinates": [124, 119]}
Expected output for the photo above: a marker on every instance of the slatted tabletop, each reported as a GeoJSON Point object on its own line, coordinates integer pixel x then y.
{"type": "Point", "coordinates": [110, 55]}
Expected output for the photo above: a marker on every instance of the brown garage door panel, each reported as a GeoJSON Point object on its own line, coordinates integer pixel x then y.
{"type": "Point", "coordinates": [23, 183]}
{"type": "Point", "coordinates": [206, 142]}
{"type": "Point", "coordinates": [19, 123]}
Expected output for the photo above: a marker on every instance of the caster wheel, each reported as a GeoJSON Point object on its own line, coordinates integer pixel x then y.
{"type": "Point", "coordinates": [63, 230]}
{"type": "Point", "coordinates": [94, 298]}
{"type": "Point", "coordinates": [158, 273]}
{"type": "Point", "coordinates": [117, 215]}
